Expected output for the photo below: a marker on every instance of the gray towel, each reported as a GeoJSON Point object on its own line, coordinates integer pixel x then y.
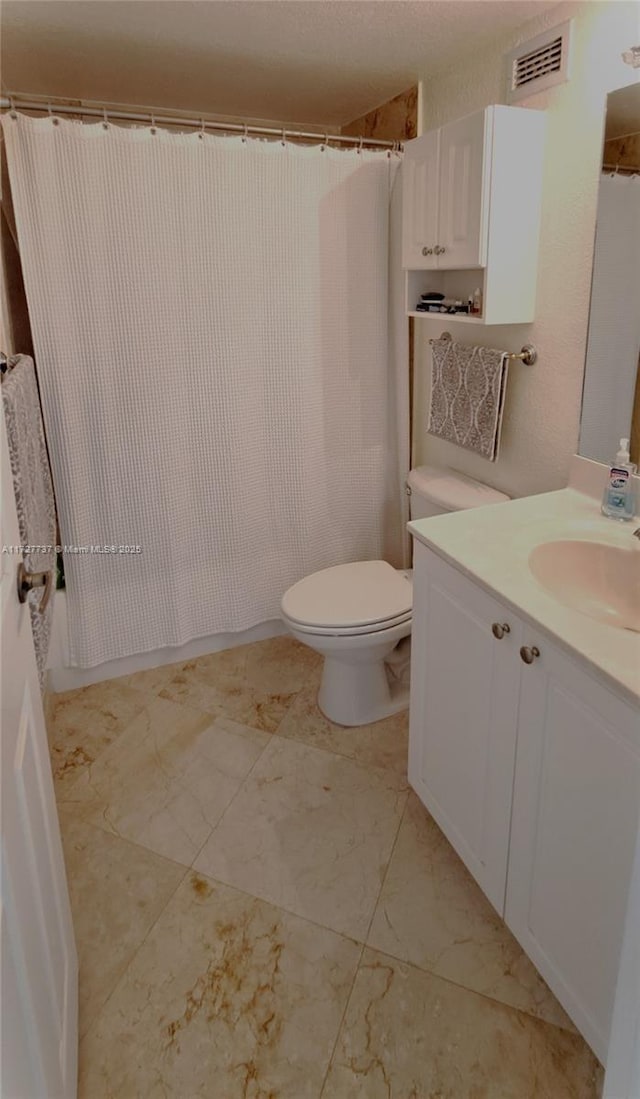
{"type": "Point", "coordinates": [33, 489]}
{"type": "Point", "coordinates": [467, 396]}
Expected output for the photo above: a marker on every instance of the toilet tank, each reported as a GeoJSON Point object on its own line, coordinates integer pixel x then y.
{"type": "Point", "coordinates": [435, 491]}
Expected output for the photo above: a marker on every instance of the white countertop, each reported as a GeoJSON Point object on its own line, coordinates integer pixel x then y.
{"type": "Point", "coordinates": [491, 545]}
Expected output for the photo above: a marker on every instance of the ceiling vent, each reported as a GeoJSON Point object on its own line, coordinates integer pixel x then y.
{"type": "Point", "coordinates": [539, 63]}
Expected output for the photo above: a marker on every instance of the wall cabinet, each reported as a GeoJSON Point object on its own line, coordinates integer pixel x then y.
{"type": "Point", "coordinates": [532, 770]}
{"type": "Point", "coordinates": [471, 212]}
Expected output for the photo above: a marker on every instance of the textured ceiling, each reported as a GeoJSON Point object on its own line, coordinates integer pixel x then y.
{"type": "Point", "coordinates": [322, 61]}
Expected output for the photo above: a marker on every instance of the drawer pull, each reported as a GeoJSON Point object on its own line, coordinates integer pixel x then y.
{"type": "Point", "coordinates": [529, 653]}
{"type": "Point", "coordinates": [427, 251]}
{"type": "Point", "coordinates": [499, 629]}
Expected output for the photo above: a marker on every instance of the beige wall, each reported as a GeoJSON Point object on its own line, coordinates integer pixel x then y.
{"type": "Point", "coordinates": [623, 152]}
{"type": "Point", "coordinates": [15, 333]}
{"type": "Point", "coordinates": [542, 411]}
{"type": "Point", "coordinates": [395, 120]}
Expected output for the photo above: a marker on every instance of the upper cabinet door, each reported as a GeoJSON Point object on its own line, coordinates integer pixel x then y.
{"type": "Point", "coordinates": [420, 202]}
{"type": "Point", "coordinates": [463, 215]}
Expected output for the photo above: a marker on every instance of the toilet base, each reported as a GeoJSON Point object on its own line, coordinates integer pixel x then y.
{"type": "Point", "coordinates": [359, 694]}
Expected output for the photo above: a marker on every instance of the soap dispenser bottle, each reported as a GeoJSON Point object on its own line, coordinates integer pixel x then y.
{"type": "Point", "coordinates": [617, 501]}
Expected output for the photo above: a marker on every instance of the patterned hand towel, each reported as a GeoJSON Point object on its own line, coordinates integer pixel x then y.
{"type": "Point", "coordinates": [467, 396]}
{"type": "Point", "coordinates": [33, 490]}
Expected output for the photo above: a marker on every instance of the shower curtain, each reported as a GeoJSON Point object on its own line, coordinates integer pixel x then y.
{"type": "Point", "coordinates": [222, 361]}
{"type": "Point", "coordinates": [614, 319]}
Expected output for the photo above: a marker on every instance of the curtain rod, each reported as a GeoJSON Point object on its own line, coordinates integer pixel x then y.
{"type": "Point", "coordinates": [17, 101]}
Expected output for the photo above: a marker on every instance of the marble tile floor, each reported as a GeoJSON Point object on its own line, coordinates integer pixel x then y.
{"type": "Point", "coordinates": [264, 910]}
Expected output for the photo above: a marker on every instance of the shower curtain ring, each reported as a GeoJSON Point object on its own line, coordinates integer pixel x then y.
{"type": "Point", "coordinates": [105, 122]}
{"type": "Point", "coordinates": [13, 113]}
{"type": "Point", "coordinates": [284, 136]}
{"type": "Point", "coordinates": [245, 134]}
{"type": "Point", "coordinates": [153, 123]}
{"type": "Point", "coordinates": [360, 143]}
{"type": "Point", "coordinates": [202, 129]}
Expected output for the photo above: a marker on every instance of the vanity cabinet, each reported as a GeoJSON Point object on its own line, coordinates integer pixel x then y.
{"type": "Point", "coordinates": [471, 212]}
{"type": "Point", "coordinates": [532, 771]}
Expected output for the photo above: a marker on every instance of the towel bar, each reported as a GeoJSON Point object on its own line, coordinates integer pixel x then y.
{"type": "Point", "coordinates": [527, 355]}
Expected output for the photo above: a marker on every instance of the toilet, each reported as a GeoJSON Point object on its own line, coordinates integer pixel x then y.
{"type": "Point", "coordinates": [357, 615]}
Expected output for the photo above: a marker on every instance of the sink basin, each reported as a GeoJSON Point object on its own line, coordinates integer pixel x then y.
{"type": "Point", "coordinates": [599, 580]}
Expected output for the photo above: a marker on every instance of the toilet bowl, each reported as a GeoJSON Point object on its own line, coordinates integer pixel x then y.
{"type": "Point", "coordinates": [356, 614]}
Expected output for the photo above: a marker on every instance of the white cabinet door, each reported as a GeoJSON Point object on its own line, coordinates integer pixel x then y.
{"type": "Point", "coordinates": [463, 191]}
{"type": "Point", "coordinates": [574, 827]}
{"type": "Point", "coordinates": [420, 202]}
{"type": "Point", "coordinates": [464, 700]}
{"type": "Point", "coordinates": [623, 1060]}
{"type": "Point", "coordinates": [38, 991]}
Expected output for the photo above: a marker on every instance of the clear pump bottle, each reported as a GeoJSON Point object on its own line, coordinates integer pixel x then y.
{"type": "Point", "coordinates": [618, 498]}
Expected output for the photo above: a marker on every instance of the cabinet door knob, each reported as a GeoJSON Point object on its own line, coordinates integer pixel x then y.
{"type": "Point", "coordinates": [529, 653]}
{"type": "Point", "coordinates": [439, 251]}
{"type": "Point", "coordinates": [427, 251]}
{"type": "Point", "coordinates": [499, 629]}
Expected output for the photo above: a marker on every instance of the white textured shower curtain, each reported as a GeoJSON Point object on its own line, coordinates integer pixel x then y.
{"type": "Point", "coordinates": [614, 319]}
{"type": "Point", "coordinates": [222, 378]}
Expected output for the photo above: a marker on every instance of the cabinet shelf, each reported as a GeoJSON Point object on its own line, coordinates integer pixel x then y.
{"type": "Point", "coordinates": [454, 318]}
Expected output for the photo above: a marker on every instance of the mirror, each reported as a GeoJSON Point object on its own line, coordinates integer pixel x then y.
{"type": "Point", "coordinates": [611, 393]}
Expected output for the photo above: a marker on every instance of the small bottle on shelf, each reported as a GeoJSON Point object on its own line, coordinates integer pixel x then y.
{"type": "Point", "coordinates": [477, 302]}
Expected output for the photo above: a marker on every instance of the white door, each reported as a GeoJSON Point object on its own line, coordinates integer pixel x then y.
{"type": "Point", "coordinates": [420, 202]}
{"type": "Point", "coordinates": [38, 994]}
{"type": "Point", "coordinates": [574, 827]}
{"type": "Point", "coordinates": [464, 191]}
{"type": "Point", "coordinates": [463, 716]}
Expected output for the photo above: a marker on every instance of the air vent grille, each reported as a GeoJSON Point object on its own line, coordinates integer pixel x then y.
{"type": "Point", "coordinates": [539, 63]}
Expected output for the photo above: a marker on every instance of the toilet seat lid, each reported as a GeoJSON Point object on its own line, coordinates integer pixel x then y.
{"type": "Point", "coordinates": [358, 594]}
